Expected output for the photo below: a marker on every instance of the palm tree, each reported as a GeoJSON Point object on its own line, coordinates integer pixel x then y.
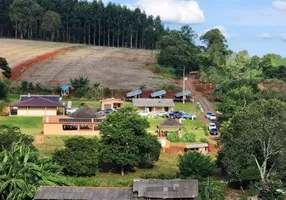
{"type": "Point", "coordinates": [22, 172]}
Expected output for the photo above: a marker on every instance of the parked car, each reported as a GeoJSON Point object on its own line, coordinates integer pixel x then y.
{"type": "Point", "coordinates": [189, 116]}
{"type": "Point", "coordinates": [144, 113]}
{"type": "Point", "coordinates": [158, 114]}
{"type": "Point", "coordinates": [212, 126]}
{"type": "Point", "coordinates": [70, 110]}
{"type": "Point", "coordinates": [105, 112]}
{"type": "Point", "coordinates": [208, 115]}
{"type": "Point", "coordinates": [213, 131]}
{"type": "Point", "coordinates": [212, 117]}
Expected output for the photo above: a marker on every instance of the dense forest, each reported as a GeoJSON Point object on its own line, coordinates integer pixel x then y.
{"type": "Point", "coordinates": [79, 22]}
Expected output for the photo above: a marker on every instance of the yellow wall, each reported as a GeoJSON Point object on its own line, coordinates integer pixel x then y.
{"type": "Point", "coordinates": [57, 129]}
{"type": "Point", "coordinates": [36, 111]}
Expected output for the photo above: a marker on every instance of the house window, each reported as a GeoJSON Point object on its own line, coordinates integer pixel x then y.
{"type": "Point", "coordinates": [85, 127]}
{"type": "Point", "coordinates": [70, 127]}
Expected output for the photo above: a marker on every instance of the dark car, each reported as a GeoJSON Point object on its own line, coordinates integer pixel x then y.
{"type": "Point", "coordinates": [213, 131]}
{"type": "Point", "coordinates": [175, 114]}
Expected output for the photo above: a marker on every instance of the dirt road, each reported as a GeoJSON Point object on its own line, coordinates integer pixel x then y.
{"type": "Point", "coordinates": [198, 97]}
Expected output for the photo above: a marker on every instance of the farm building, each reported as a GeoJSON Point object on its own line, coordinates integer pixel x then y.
{"type": "Point", "coordinates": [142, 189]}
{"type": "Point", "coordinates": [154, 105]}
{"type": "Point", "coordinates": [37, 105]}
{"type": "Point", "coordinates": [111, 104]}
{"type": "Point", "coordinates": [202, 148]}
{"type": "Point", "coordinates": [82, 122]}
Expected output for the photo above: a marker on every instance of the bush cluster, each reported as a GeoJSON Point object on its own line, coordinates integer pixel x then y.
{"type": "Point", "coordinates": [187, 137]}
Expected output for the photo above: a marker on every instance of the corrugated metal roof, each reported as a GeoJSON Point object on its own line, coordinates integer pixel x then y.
{"type": "Point", "coordinates": [158, 93]}
{"type": "Point", "coordinates": [180, 94]}
{"type": "Point", "coordinates": [166, 189]}
{"type": "Point", "coordinates": [83, 193]}
{"type": "Point", "coordinates": [201, 145]}
{"type": "Point", "coordinates": [134, 93]}
{"type": "Point", "coordinates": [49, 97]}
{"type": "Point", "coordinates": [37, 102]}
{"type": "Point", "coordinates": [153, 102]}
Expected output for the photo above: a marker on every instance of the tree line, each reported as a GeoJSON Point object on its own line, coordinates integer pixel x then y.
{"type": "Point", "coordinates": [79, 22]}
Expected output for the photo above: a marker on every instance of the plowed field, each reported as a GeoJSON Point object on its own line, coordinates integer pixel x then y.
{"type": "Point", "coordinates": [116, 68]}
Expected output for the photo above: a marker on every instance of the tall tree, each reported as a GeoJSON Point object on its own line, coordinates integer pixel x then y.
{"type": "Point", "coordinates": [51, 23]}
{"type": "Point", "coordinates": [216, 47]}
{"type": "Point", "coordinates": [25, 14]}
{"type": "Point", "coordinates": [255, 138]}
{"type": "Point", "coordinates": [125, 141]}
{"type": "Point", "coordinates": [5, 67]}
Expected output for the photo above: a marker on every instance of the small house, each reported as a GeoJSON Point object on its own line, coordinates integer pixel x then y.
{"type": "Point", "coordinates": [84, 193]}
{"type": "Point", "coordinates": [170, 124]}
{"type": "Point", "coordinates": [83, 122]}
{"type": "Point", "coordinates": [165, 189]}
{"type": "Point", "coordinates": [154, 105]}
{"type": "Point", "coordinates": [201, 148]}
{"type": "Point", "coordinates": [37, 105]}
{"type": "Point", "coordinates": [142, 190]}
{"type": "Point", "coordinates": [111, 104]}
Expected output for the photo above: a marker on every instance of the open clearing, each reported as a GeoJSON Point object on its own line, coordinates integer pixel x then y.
{"type": "Point", "coordinates": [18, 51]}
{"type": "Point", "coordinates": [52, 65]}
{"type": "Point", "coordinates": [116, 68]}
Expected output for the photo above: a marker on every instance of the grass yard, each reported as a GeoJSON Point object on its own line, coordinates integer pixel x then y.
{"type": "Point", "coordinates": [164, 168]}
{"type": "Point", "coordinates": [188, 107]}
{"type": "Point", "coordinates": [76, 103]}
{"type": "Point", "coordinates": [28, 125]}
{"type": "Point", "coordinates": [193, 126]}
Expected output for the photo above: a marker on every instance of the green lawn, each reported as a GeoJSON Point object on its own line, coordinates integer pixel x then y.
{"type": "Point", "coordinates": [165, 167]}
{"type": "Point", "coordinates": [28, 125]}
{"type": "Point", "coordinates": [193, 126]}
{"type": "Point", "coordinates": [76, 103]}
{"type": "Point", "coordinates": [188, 107]}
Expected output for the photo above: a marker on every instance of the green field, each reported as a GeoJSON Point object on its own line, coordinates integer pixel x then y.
{"type": "Point", "coordinates": [166, 167]}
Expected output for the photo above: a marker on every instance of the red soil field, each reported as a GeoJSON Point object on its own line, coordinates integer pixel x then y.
{"type": "Point", "coordinates": [19, 69]}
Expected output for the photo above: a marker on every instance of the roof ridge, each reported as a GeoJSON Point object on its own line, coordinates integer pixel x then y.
{"type": "Point", "coordinates": [43, 98]}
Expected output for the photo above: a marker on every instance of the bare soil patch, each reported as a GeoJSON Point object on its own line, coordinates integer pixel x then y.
{"type": "Point", "coordinates": [116, 68]}
{"type": "Point", "coordinates": [18, 51]}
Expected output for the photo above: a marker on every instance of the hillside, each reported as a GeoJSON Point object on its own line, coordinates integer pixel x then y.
{"type": "Point", "coordinates": [18, 51]}
{"type": "Point", "coordinates": [116, 68]}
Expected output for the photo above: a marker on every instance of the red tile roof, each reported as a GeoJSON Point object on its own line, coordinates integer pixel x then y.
{"type": "Point", "coordinates": [38, 102]}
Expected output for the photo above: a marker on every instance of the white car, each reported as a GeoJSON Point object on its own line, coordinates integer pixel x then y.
{"type": "Point", "coordinates": [157, 114]}
{"type": "Point", "coordinates": [212, 126]}
{"type": "Point", "coordinates": [212, 117]}
{"type": "Point", "coordinates": [144, 113]}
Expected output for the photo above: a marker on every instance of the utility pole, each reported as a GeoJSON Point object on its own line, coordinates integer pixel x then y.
{"type": "Point", "coordinates": [184, 86]}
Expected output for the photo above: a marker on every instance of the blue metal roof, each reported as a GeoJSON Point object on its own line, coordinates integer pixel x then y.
{"type": "Point", "coordinates": [65, 87]}
{"type": "Point", "coordinates": [158, 93]}
{"type": "Point", "coordinates": [181, 94]}
{"type": "Point", "coordinates": [134, 93]}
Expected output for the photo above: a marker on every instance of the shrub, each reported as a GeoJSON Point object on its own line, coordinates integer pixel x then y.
{"type": "Point", "coordinates": [25, 86]}
{"type": "Point", "coordinates": [195, 165]}
{"type": "Point", "coordinates": [205, 130]}
{"type": "Point", "coordinates": [169, 87]}
{"type": "Point", "coordinates": [80, 156]}
{"type": "Point", "coordinates": [189, 137]}
{"type": "Point", "coordinates": [173, 137]}
{"type": "Point", "coordinates": [10, 134]}
{"type": "Point", "coordinates": [204, 140]}
{"type": "Point", "coordinates": [4, 89]}
{"type": "Point", "coordinates": [158, 175]}
{"type": "Point", "coordinates": [107, 93]}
